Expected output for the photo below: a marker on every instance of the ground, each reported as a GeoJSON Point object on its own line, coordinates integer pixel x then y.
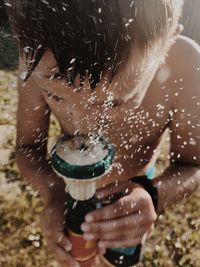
{"type": "Point", "coordinates": [175, 241]}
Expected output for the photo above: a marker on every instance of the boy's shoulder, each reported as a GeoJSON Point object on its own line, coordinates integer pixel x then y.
{"type": "Point", "coordinates": [184, 57]}
{"type": "Point", "coordinates": [183, 64]}
{"type": "Point", "coordinates": [180, 78]}
{"type": "Point", "coordinates": [180, 73]}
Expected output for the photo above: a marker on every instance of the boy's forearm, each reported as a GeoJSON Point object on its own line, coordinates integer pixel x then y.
{"type": "Point", "coordinates": [176, 183]}
{"type": "Point", "coordinates": [37, 170]}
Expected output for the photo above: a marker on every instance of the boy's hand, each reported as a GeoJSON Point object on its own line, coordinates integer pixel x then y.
{"type": "Point", "coordinates": [125, 223]}
{"type": "Point", "coordinates": [52, 224]}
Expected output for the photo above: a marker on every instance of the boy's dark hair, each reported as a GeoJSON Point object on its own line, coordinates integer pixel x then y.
{"type": "Point", "coordinates": [90, 35]}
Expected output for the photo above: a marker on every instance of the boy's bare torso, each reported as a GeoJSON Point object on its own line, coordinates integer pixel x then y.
{"type": "Point", "coordinates": [135, 132]}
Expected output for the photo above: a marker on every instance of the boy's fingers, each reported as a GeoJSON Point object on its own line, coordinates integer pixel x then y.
{"type": "Point", "coordinates": [119, 235]}
{"type": "Point", "coordinates": [63, 257]}
{"type": "Point", "coordinates": [120, 225]}
{"type": "Point", "coordinates": [122, 207]}
{"type": "Point", "coordinates": [64, 242]}
{"type": "Point", "coordinates": [60, 239]}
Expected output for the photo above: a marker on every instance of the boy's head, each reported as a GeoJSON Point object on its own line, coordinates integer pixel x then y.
{"type": "Point", "coordinates": [92, 35]}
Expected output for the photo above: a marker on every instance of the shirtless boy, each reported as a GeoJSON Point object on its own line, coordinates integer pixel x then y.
{"type": "Point", "coordinates": [119, 68]}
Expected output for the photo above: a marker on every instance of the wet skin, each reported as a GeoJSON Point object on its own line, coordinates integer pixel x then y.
{"type": "Point", "coordinates": [172, 99]}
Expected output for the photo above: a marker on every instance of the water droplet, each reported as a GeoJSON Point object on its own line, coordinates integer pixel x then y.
{"type": "Point", "coordinates": [23, 75]}
{"type": "Point", "coordinates": [192, 142]}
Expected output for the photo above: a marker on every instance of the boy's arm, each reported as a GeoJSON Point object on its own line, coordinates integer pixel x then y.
{"type": "Point", "coordinates": [177, 182]}
{"type": "Point", "coordinates": [183, 176]}
{"type": "Point", "coordinates": [32, 136]}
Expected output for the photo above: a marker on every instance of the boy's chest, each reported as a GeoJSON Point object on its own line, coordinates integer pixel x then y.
{"type": "Point", "coordinates": [135, 132]}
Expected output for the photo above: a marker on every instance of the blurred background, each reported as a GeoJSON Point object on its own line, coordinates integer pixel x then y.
{"type": "Point", "coordinates": [191, 19]}
{"type": "Point", "coordinates": [176, 238]}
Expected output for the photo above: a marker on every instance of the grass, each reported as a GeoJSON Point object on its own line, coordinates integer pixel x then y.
{"type": "Point", "coordinates": [8, 49]}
